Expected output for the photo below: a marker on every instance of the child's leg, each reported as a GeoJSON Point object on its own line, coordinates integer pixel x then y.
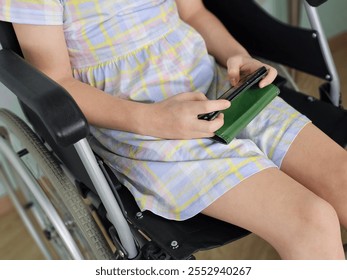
{"type": "Point", "coordinates": [319, 164]}
{"type": "Point", "coordinates": [295, 221]}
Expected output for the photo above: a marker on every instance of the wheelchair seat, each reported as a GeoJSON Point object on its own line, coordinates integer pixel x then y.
{"type": "Point", "coordinates": [179, 239]}
{"type": "Point", "coordinates": [144, 235]}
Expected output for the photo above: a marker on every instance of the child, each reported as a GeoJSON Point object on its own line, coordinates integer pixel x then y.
{"type": "Point", "coordinates": [142, 71]}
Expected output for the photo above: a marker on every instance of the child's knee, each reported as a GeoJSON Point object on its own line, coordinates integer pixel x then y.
{"type": "Point", "coordinates": [316, 234]}
{"type": "Point", "coordinates": [317, 219]}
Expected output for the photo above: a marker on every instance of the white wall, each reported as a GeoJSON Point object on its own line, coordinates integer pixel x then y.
{"type": "Point", "coordinates": [9, 101]}
{"type": "Point", "coordinates": [332, 14]}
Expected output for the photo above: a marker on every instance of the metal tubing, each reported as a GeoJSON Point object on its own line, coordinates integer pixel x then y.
{"type": "Point", "coordinates": [41, 198]}
{"type": "Point", "coordinates": [103, 189]}
{"type": "Point", "coordinates": [9, 189]}
{"type": "Point", "coordinates": [335, 81]}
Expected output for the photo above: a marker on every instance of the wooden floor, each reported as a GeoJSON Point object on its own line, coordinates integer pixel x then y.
{"type": "Point", "coordinates": [15, 242]}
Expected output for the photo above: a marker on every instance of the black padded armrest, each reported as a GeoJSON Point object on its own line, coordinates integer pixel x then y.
{"type": "Point", "coordinates": [52, 104]}
{"type": "Point", "coordinates": [316, 3]}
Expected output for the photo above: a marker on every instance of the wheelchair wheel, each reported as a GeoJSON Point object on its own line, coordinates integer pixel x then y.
{"type": "Point", "coordinates": [51, 207]}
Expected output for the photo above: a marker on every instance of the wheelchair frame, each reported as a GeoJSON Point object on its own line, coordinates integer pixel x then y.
{"type": "Point", "coordinates": [335, 90]}
{"type": "Point", "coordinates": [126, 221]}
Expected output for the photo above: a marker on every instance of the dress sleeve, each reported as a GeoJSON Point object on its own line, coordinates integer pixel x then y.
{"type": "Point", "coordinates": [40, 12]}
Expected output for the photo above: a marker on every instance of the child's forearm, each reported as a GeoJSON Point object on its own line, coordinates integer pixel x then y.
{"type": "Point", "coordinates": [219, 41]}
{"type": "Point", "coordinates": [104, 110]}
{"type": "Point", "coordinates": [173, 118]}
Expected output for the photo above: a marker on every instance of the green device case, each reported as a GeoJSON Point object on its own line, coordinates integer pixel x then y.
{"type": "Point", "coordinates": [243, 110]}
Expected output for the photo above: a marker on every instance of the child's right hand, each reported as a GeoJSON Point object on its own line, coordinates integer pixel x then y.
{"type": "Point", "coordinates": [177, 117]}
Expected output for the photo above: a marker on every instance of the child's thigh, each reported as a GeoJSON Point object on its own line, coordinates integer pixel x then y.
{"type": "Point", "coordinates": [318, 163]}
{"type": "Point", "coordinates": [271, 205]}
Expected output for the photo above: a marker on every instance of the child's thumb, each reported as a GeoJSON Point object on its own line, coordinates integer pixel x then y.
{"type": "Point", "coordinates": [234, 75]}
{"type": "Point", "coordinates": [233, 65]}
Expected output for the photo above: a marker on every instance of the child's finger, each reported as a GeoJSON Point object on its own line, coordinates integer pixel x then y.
{"type": "Point", "coordinates": [269, 78]}
{"type": "Point", "coordinates": [233, 65]}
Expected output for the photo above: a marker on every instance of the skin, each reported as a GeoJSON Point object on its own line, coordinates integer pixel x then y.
{"type": "Point", "coordinates": [297, 208]}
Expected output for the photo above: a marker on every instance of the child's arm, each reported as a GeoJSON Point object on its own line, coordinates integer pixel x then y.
{"type": "Point", "coordinates": [220, 42]}
{"type": "Point", "coordinates": [174, 118]}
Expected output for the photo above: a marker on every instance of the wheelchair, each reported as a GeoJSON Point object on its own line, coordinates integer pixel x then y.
{"type": "Point", "coordinates": [70, 200]}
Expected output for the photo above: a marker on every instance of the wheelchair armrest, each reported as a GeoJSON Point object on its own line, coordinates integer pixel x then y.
{"type": "Point", "coordinates": [50, 103]}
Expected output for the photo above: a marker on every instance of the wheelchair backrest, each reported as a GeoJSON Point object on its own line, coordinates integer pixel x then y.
{"type": "Point", "coordinates": [8, 39]}
{"type": "Point", "coordinates": [264, 36]}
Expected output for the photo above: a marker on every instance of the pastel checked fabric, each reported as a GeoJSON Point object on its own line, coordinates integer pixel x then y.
{"type": "Point", "coordinates": [140, 50]}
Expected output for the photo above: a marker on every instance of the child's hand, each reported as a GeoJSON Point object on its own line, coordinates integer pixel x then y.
{"type": "Point", "coordinates": [177, 117]}
{"type": "Point", "coordinates": [243, 65]}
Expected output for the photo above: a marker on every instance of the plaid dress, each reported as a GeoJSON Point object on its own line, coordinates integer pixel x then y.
{"type": "Point", "coordinates": [141, 50]}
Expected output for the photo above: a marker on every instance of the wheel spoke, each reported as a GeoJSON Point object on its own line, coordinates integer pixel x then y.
{"type": "Point", "coordinates": [61, 197]}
